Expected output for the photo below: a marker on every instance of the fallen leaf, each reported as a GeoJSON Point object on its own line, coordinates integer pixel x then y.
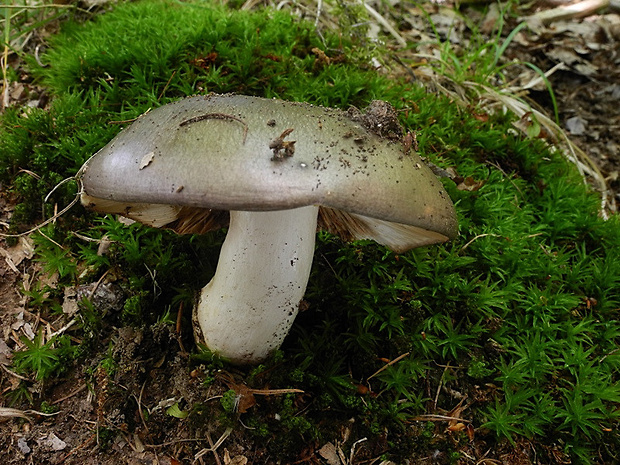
{"type": "Point", "coordinates": [245, 395]}
{"type": "Point", "coordinates": [469, 184]}
{"type": "Point", "coordinates": [456, 427]}
{"type": "Point", "coordinates": [52, 442]}
{"type": "Point", "coordinates": [20, 321]}
{"type": "Point", "coordinates": [7, 412]}
{"type": "Point", "coordinates": [330, 454]}
{"type": "Point", "coordinates": [471, 431]}
{"type": "Point", "coordinates": [236, 460]}
{"type": "Point", "coordinates": [5, 352]}
{"type": "Point", "coordinates": [27, 328]}
{"type": "Point", "coordinates": [23, 447]}
{"type": "Point", "coordinates": [69, 302]}
{"type": "Point", "coordinates": [24, 249]}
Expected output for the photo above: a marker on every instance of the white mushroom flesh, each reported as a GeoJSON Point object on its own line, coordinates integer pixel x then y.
{"type": "Point", "coordinates": [247, 309]}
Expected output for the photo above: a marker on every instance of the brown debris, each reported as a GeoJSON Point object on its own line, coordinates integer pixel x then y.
{"type": "Point", "coordinates": [380, 118]}
{"type": "Point", "coordinates": [282, 149]}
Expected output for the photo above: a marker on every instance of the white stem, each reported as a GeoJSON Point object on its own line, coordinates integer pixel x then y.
{"type": "Point", "coordinates": [249, 306]}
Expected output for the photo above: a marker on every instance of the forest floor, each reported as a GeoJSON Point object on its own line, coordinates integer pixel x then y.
{"type": "Point", "coordinates": [586, 82]}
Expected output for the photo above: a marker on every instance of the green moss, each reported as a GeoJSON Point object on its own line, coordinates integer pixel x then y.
{"type": "Point", "coordinates": [150, 52]}
{"type": "Point", "coordinates": [479, 369]}
{"type": "Point", "coordinates": [229, 402]}
{"type": "Point", "coordinates": [39, 148]}
{"type": "Point", "coordinates": [526, 297]}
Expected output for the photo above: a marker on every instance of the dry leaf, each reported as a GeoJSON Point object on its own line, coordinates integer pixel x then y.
{"type": "Point", "coordinates": [330, 453]}
{"type": "Point", "coordinates": [245, 395]}
{"type": "Point", "coordinates": [236, 460]}
{"type": "Point", "coordinates": [456, 427]}
{"type": "Point", "coordinates": [53, 442]}
{"type": "Point", "coordinates": [6, 412]}
{"type": "Point", "coordinates": [69, 302]}
{"type": "Point", "coordinates": [468, 184]}
{"type": "Point", "coordinates": [24, 249]}
{"type": "Point", "coordinates": [471, 432]}
{"type": "Point", "coordinates": [5, 352]}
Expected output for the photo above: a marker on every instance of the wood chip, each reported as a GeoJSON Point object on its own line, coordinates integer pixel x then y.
{"type": "Point", "coordinates": [147, 160]}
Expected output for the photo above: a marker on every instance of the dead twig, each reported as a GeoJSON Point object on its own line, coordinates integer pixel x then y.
{"type": "Point", "coordinates": [213, 447]}
{"type": "Point", "coordinates": [86, 442]}
{"type": "Point", "coordinates": [389, 364]}
{"type": "Point", "coordinates": [71, 394]}
{"type": "Point", "coordinates": [434, 417]}
{"type": "Point", "coordinates": [12, 373]}
{"type": "Point", "coordinates": [476, 238]}
{"type": "Point", "coordinates": [46, 222]}
{"type": "Point", "coordinates": [576, 10]}
{"type": "Point", "coordinates": [7, 413]}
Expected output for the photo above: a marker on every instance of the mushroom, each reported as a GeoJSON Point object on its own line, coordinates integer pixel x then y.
{"type": "Point", "coordinates": [271, 171]}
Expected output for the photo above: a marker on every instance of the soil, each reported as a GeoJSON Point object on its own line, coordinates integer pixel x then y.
{"type": "Point", "coordinates": [153, 372]}
{"type": "Point", "coordinates": [587, 87]}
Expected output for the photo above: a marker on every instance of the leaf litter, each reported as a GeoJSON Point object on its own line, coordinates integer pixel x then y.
{"type": "Point", "coordinates": [584, 50]}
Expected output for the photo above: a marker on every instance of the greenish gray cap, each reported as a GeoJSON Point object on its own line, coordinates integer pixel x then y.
{"type": "Point", "coordinates": [219, 153]}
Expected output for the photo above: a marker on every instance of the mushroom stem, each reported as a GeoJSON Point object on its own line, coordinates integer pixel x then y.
{"type": "Point", "coordinates": [249, 306]}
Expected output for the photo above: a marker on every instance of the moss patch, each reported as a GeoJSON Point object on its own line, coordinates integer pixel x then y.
{"type": "Point", "coordinates": [516, 319]}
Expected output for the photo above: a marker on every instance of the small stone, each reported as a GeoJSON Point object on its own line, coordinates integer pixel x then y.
{"type": "Point", "coordinates": [576, 125]}
{"type": "Point", "coordinates": [23, 447]}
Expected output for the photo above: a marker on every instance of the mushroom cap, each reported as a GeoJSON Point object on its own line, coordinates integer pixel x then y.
{"type": "Point", "coordinates": [234, 152]}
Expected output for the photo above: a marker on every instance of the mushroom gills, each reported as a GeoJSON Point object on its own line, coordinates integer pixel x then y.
{"type": "Point", "coordinates": [397, 237]}
{"type": "Point", "coordinates": [348, 226]}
